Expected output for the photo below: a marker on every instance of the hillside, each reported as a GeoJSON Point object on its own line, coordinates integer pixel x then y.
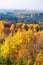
{"type": "Point", "coordinates": [23, 16]}
{"type": "Point", "coordinates": [21, 44]}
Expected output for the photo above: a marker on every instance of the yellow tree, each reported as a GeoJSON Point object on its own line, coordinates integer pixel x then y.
{"type": "Point", "coordinates": [1, 31]}
{"type": "Point", "coordinates": [11, 45]}
{"type": "Point", "coordinates": [1, 27]}
{"type": "Point", "coordinates": [39, 59]}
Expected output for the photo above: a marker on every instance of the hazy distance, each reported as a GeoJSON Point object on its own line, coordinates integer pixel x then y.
{"type": "Point", "coordinates": [22, 4]}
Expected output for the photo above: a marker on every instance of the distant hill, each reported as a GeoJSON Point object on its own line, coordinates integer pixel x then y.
{"type": "Point", "coordinates": [24, 16]}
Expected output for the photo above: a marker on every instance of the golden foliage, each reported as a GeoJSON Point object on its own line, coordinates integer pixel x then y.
{"type": "Point", "coordinates": [23, 44]}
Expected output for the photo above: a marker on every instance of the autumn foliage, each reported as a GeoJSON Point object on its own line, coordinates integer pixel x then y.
{"type": "Point", "coordinates": [21, 44]}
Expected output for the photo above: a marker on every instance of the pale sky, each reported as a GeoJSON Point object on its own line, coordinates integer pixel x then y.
{"type": "Point", "coordinates": [21, 4]}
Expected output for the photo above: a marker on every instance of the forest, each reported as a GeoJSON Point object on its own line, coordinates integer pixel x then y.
{"type": "Point", "coordinates": [21, 44]}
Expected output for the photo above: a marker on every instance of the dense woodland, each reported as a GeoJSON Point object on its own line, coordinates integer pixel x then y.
{"type": "Point", "coordinates": [21, 44]}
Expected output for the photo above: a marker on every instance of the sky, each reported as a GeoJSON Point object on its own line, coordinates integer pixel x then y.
{"type": "Point", "coordinates": [21, 4]}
